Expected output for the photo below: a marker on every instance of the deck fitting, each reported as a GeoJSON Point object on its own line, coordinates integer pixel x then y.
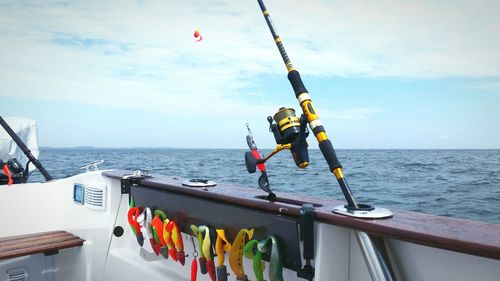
{"type": "Point", "coordinates": [368, 212]}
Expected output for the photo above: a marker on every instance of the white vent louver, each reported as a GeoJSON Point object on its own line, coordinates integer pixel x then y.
{"type": "Point", "coordinates": [95, 197]}
{"type": "Point", "coordinates": [18, 274]}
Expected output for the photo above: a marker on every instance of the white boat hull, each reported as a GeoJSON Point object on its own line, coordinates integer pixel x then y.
{"type": "Point", "coordinates": [39, 207]}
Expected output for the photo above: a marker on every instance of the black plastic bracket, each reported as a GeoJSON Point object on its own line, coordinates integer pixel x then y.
{"type": "Point", "coordinates": [134, 179]}
{"type": "Point", "coordinates": [126, 183]}
{"type": "Point", "coordinates": [51, 253]}
{"type": "Point", "coordinates": [306, 222]}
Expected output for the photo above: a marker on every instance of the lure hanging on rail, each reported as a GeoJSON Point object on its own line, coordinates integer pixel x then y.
{"type": "Point", "coordinates": [146, 218]}
{"type": "Point", "coordinates": [222, 245]}
{"type": "Point", "coordinates": [194, 264]}
{"type": "Point", "coordinates": [202, 260]}
{"type": "Point", "coordinates": [157, 224]}
{"type": "Point", "coordinates": [207, 251]}
{"type": "Point", "coordinates": [169, 243]}
{"type": "Point", "coordinates": [250, 252]}
{"type": "Point", "coordinates": [236, 253]}
{"type": "Point", "coordinates": [175, 234]}
{"type": "Point", "coordinates": [269, 247]}
{"type": "Point", "coordinates": [132, 216]}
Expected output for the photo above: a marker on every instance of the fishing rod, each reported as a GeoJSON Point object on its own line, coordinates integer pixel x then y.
{"type": "Point", "coordinates": [25, 149]}
{"type": "Point", "coordinates": [290, 132]}
{"type": "Point", "coordinates": [302, 95]}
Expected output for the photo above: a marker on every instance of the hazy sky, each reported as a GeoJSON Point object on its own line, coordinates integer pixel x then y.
{"type": "Point", "coordinates": [382, 74]}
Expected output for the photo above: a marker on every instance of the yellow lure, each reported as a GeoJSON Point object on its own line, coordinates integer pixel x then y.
{"type": "Point", "coordinates": [236, 252]}
{"type": "Point", "coordinates": [222, 245]}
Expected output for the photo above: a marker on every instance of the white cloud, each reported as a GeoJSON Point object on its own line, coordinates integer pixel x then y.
{"type": "Point", "coordinates": [489, 85]}
{"type": "Point", "coordinates": [351, 114]}
{"type": "Point", "coordinates": [142, 55]}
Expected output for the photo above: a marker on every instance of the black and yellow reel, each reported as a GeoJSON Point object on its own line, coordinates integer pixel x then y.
{"type": "Point", "coordinates": [290, 133]}
{"type": "Point", "coordinates": [287, 125]}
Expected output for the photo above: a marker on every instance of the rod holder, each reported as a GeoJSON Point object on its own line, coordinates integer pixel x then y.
{"type": "Point", "coordinates": [363, 211]}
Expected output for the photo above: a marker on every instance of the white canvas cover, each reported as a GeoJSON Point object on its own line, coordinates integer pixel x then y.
{"type": "Point", "coordinates": [26, 130]}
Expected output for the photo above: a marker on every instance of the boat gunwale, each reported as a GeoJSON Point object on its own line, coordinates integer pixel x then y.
{"type": "Point", "coordinates": [455, 234]}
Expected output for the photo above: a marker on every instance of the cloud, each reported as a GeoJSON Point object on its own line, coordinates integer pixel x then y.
{"type": "Point", "coordinates": [142, 55]}
{"type": "Point", "coordinates": [351, 114]}
{"type": "Point", "coordinates": [488, 85]}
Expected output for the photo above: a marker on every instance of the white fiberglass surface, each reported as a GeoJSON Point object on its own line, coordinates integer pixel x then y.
{"type": "Point", "coordinates": [40, 207]}
{"type": "Point", "coordinates": [417, 262]}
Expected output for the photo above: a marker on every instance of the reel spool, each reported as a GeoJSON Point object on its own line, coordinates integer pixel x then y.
{"type": "Point", "coordinates": [288, 125]}
{"type": "Point", "coordinates": [291, 132]}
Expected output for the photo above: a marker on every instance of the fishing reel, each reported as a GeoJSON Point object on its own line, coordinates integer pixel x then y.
{"type": "Point", "coordinates": [13, 172]}
{"type": "Point", "coordinates": [290, 133]}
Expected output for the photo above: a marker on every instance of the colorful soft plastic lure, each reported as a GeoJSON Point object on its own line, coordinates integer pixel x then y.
{"type": "Point", "coordinates": [146, 218]}
{"type": "Point", "coordinates": [176, 238]}
{"type": "Point", "coordinates": [207, 251]}
{"type": "Point", "coordinates": [250, 252]}
{"type": "Point", "coordinates": [236, 253]}
{"type": "Point", "coordinates": [202, 260]}
{"type": "Point", "coordinates": [222, 245]}
{"type": "Point", "coordinates": [157, 224]}
{"type": "Point", "coordinates": [132, 216]}
{"type": "Point", "coordinates": [271, 247]}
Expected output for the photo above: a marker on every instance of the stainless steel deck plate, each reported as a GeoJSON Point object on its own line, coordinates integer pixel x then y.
{"type": "Point", "coordinates": [199, 183]}
{"type": "Point", "coordinates": [376, 213]}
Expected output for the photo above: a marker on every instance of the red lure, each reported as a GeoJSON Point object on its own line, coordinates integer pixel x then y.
{"type": "Point", "coordinates": [194, 269]}
{"type": "Point", "coordinates": [197, 36]}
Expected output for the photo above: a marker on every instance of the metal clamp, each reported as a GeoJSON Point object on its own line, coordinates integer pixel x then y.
{"type": "Point", "coordinates": [133, 179]}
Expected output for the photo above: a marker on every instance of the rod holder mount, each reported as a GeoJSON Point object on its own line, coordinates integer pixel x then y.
{"type": "Point", "coordinates": [364, 211]}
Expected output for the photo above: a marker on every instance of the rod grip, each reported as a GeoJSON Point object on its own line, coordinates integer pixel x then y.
{"type": "Point", "coordinates": [326, 148]}
{"type": "Point", "coordinates": [296, 81]}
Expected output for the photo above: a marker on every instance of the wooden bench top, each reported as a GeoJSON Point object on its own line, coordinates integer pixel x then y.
{"type": "Point", "coordinates": [44, 242]}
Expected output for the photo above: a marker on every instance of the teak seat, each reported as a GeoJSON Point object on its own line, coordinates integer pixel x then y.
{"type": "Point", "coordinates": [45, 242]}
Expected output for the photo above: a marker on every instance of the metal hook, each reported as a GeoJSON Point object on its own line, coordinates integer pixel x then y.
{"type": "Point", "coordinates": [195, 253]}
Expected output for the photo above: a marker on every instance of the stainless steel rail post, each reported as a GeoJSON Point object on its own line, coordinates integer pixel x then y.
{"type": "Point", "coordinates": [377, 266]}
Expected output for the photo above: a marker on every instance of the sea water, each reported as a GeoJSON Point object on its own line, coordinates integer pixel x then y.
{"type": "Point", "coordinates": [456, 183]}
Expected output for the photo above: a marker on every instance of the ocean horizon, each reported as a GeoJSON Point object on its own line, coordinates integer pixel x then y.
{"type": "Point", "coordinates": [462, 183]}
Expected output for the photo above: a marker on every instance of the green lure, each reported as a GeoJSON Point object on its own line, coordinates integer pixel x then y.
{"type": "Point", "coordinates": [276, 257]}
{"type": "Point", "coordinates": [255, 250]}
{"type": "Point", "coordinates": [250, 252]}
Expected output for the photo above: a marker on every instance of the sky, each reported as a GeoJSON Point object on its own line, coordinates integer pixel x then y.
{"type": "Point", "coordinates": [381, 74]}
